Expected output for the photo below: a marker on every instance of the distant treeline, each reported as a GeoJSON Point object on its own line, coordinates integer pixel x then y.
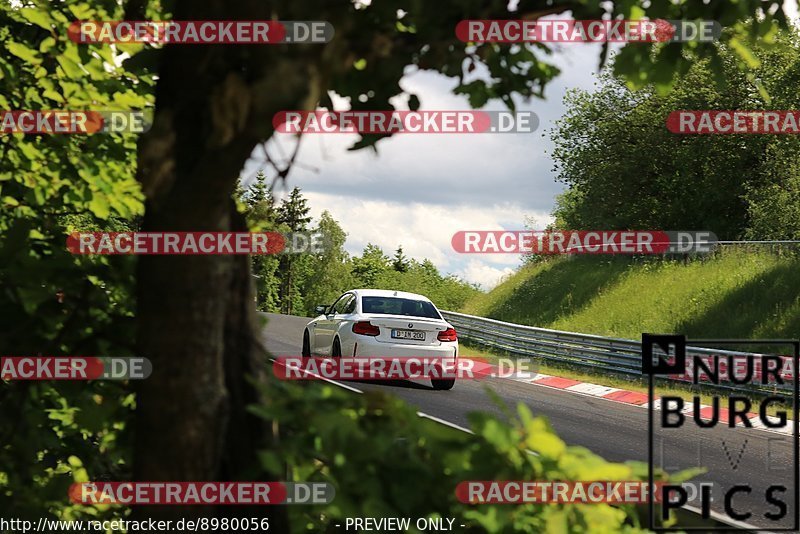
{"type": "Point", "coordinates": [296, 283]}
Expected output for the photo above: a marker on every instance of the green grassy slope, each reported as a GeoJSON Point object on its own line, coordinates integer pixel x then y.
{"type": "Point", "coordinates": [734, 293]}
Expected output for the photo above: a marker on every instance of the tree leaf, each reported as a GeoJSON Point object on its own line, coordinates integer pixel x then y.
{"type": "Point", "coordinates": [36, 16]}
{"type": "Point", "coordinates": [71, 69]}
{"type": "Point", "coordinates": [46, 45]}
{"type": "Point", "coordinates": [99, 206]}
{"type": "Point", "coordinates": [24, 53]}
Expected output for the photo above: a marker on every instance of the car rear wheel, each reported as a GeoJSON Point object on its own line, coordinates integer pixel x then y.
{"type": "Point", "coordinates": [336, 350]}
{"type": "Point", "coordinates": [444, 383]}
{"type": "Point", "coordinates": [306, 345]}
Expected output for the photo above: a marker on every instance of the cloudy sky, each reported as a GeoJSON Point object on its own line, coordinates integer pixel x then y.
{"type": "Point", "coordinates": [418, 190]}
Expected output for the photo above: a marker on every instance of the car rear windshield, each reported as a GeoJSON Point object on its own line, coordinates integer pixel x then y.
{"type": "Point", "coordinates": [399, 306]}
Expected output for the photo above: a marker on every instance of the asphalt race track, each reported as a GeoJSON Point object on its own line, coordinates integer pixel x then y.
{"type": "Point", "coordinates": [617, 432]}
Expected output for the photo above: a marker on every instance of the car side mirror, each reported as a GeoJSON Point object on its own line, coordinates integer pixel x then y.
{"type": "Point", "coordinates": [321, 310]}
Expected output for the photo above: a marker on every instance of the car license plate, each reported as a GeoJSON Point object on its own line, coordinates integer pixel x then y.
{"type": "Point", "coordinates": [408, 334]}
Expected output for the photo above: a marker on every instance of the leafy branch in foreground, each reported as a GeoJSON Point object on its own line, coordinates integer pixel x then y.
{"type": "Point", "coordinates": [386, 461]}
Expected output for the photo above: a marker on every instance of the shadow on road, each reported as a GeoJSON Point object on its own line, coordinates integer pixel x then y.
{"type": "Point", "coordinates": [391, 383]}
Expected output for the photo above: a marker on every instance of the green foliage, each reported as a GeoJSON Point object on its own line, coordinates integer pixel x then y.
{"type": "Point", "coordinates": [327, 273]}
{"type": "Point", "coordinates": [371, 264]}
{"type": "Point", "coordinates": [293, 211]}
{"type": "Point", "coordinates": [258, 205]}
{"type": "Point", "coordinates": [379, 455]}
{"type": "Point", "coordinates": [61, 434]}
{"type": "Point", "coordinates": [400, 262]}
{"type": "Point", "coordinates": [447, 292]}
{"type": "Point", "coordinates": [773, 204]}
{"type": "Point", "coordinates": [385, 41]}
{"type": "Point", "coordinates": [297, 283]}
{"type": "Point", "coordinates": [54, 303]}
{"type": "Point", "coordinates": [625, 170]}
{"type": "Point", "coordinates": [375, 270]}
{"type": "Point", "coordinates": [293, 214]}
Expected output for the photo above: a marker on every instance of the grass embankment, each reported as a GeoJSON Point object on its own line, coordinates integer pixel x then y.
{"type": "Point", "coordinates": [732, 294]}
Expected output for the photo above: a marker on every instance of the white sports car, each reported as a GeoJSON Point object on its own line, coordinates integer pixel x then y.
{"type": "Point", "coordinates": [381, 323]}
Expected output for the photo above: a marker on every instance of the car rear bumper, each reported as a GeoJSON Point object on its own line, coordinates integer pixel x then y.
{"type": "Point", "coordinates": [365, 346]}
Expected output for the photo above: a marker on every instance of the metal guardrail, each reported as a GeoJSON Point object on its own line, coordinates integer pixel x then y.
{"type": "Point", "coordinates": [614, 355]}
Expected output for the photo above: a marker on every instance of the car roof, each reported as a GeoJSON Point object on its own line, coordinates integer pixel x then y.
{"type": "Point", "coordinates": [388, 293]}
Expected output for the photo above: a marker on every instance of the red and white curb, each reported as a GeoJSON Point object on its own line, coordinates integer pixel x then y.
{"type": "Point", "coordinates": [636, 398]}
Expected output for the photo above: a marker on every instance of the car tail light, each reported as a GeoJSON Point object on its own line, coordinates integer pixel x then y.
{"type": "Point", "coordinates": [447, 335]}
{"type": "Point", "coordinates": [365, 328]}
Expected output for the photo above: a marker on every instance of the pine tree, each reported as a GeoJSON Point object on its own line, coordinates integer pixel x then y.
{"type": "Point", "coordinates": [260, 202]}
{"type": "Point", "coordinates": [293, 212]}
{"type": "Point", "coordinates": [261, 215]}
{"type": "Point", "coordinates": [400, 262]}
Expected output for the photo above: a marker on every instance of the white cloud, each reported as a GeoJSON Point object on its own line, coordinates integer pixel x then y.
{"type": "Point", "coordinates": [425, 231]}
{"type": "Point", "coordinates": [484, 275]}
{"type": "Point", "coordinates": [418, 190]}
{"type": "Point", "coordinates": [790, 8]}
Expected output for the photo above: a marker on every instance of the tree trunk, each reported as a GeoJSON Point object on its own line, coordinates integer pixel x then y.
{"type": "Point", "coordinates": [196, 318]}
